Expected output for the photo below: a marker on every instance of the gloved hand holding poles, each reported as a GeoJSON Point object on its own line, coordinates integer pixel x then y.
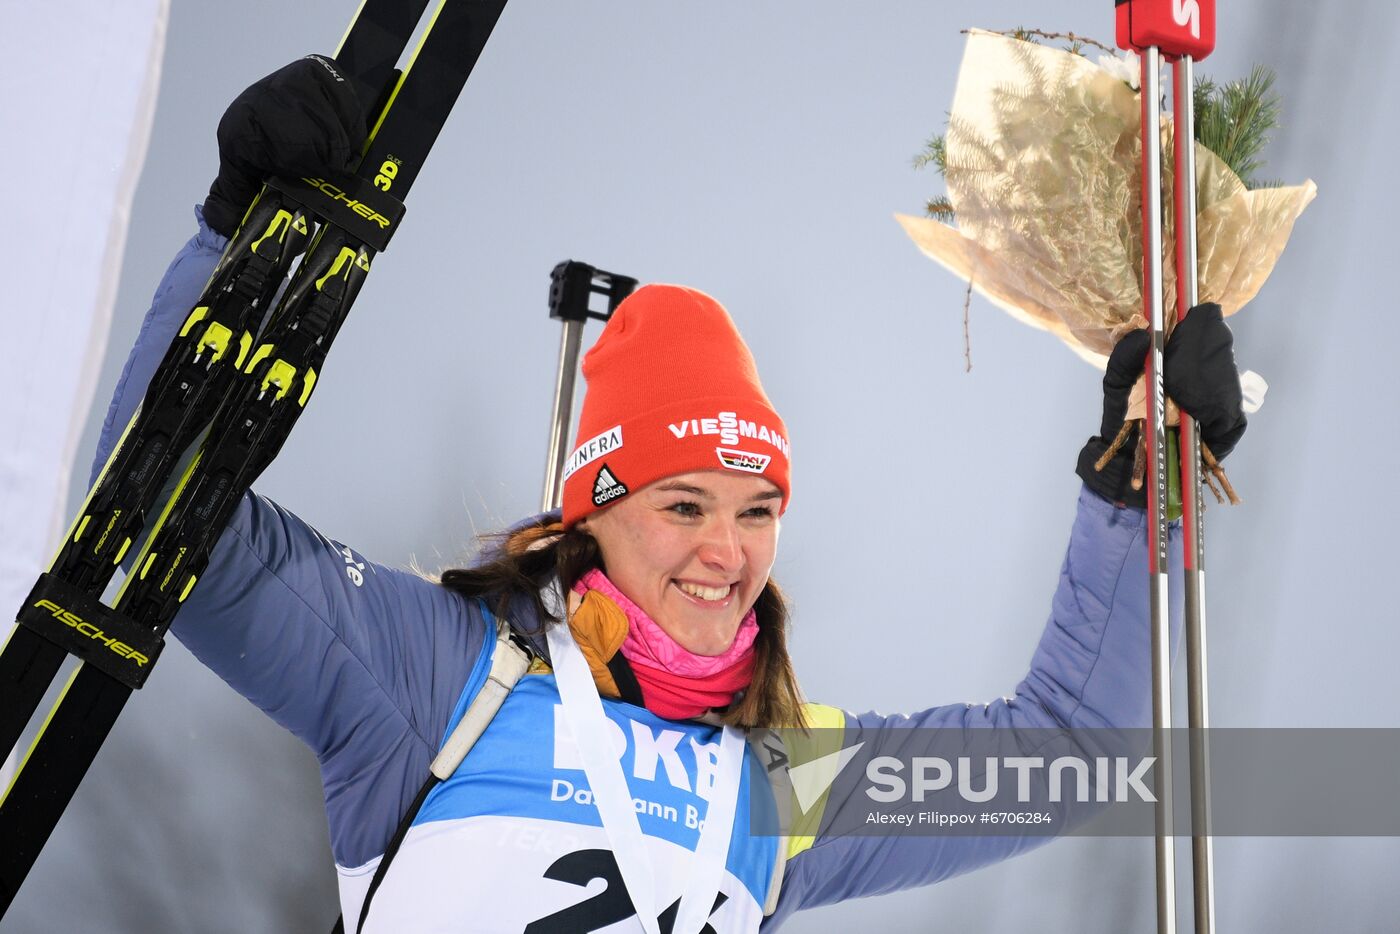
{"type": "Point", "coordinates": [1199, 375]}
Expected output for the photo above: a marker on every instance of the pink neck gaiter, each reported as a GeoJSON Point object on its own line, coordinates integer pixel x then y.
{"type": "Point", "coordinates": [677, 683]}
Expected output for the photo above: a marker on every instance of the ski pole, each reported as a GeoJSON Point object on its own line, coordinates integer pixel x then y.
{"type": "Point", "coordinates": [1181, 30]}
{"type": "Point", "coordinates": [1193, 510]}
{"type": "Point", "coordinates": [1157, 493]}
{"type": "Point", "coordinates": [571, 287]}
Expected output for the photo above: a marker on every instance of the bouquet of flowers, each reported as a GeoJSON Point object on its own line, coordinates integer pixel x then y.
{"type": "Point", "coordinates": [1043, 215]}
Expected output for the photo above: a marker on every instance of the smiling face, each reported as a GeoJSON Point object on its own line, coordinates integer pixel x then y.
{"type": "Point", "coordinates": [693, 551]}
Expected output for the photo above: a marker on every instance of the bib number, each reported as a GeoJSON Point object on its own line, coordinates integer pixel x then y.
{"type": "Point", "coordinates": [607, 907]}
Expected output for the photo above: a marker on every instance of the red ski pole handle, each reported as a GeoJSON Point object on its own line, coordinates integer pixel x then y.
{"type": "Point", "coordinates": [1176, 27]}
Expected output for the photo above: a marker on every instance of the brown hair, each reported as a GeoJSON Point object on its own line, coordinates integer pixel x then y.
{"type": "Point", "coordinates": [525, 559]}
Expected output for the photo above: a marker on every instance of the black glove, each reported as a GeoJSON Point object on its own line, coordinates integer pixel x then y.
{"type": "Point", "coordinates": [1199, 375]}
{"type": "Point", "coordinates": [302, 119]}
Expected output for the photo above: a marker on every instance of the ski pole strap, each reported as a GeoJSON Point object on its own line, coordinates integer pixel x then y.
{"type": "Point", "coordinates": [83, 626]}
{"type": "Point", "coordinates": [1177, 27]}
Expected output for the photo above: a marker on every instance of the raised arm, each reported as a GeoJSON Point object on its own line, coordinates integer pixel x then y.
{"type": "Point", "coordinates": [362, 662]}
{"type": "Point", "coordinates": [1091, 670]}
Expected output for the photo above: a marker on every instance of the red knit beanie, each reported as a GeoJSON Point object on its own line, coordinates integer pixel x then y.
{"type": "Point", "coordinates": [671, 388]}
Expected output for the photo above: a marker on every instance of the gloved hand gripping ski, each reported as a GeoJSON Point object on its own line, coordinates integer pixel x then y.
{"type": "Point", "coordinates": [1199, 375]}
{"type": "Point", "coordinates": [304, 118]}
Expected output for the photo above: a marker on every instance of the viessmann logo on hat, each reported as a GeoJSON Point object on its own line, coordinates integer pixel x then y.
{"type": "Point", "coordinates": [730, 428]}
{"type": "Point", "coordinates": [592, 449]}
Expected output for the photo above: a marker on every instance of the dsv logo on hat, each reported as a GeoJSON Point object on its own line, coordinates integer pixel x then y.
{"type": "Point", "coordinates": [607, 487]}
{"type": "Point", "coordinates": [743, 460]}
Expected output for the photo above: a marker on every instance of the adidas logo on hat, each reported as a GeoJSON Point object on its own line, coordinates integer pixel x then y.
{"type": "Point", "coordinates": [607, 487]}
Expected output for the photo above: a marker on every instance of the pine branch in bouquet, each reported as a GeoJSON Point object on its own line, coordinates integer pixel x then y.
{"type": "Point", "coordinates": [935, 154]}
{"type": "Point", "coordinates": [941, 209]}
{"type": "Point", "coordinates": [1235, 121]}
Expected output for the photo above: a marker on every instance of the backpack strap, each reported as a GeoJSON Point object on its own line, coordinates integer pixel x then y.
{"type": "Point", "coordinates": [508, 662]}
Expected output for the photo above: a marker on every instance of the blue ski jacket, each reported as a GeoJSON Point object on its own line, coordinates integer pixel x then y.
{"type": "Point", "coordinates": [371, 666]}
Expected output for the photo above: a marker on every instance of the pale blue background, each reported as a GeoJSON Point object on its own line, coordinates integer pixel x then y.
{"type": "Point", "coordinates": [757, 150]}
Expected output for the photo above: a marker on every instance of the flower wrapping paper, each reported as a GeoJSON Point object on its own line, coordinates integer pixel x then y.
{"type": "Point", "coordinates": [1043, 164]}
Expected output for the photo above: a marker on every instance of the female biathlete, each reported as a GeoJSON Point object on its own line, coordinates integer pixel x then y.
{"type": "Point", "coordinates": [614, 788]}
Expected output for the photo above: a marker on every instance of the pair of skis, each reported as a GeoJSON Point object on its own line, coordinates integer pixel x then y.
{"type": "Point", "coordinates": [232, 385]}
{"type": "Point", "coordinates": [1182, 31]}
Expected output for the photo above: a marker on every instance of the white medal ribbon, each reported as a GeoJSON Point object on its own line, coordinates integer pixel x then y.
{"type": "Point", "coordinates": [583, 710]}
